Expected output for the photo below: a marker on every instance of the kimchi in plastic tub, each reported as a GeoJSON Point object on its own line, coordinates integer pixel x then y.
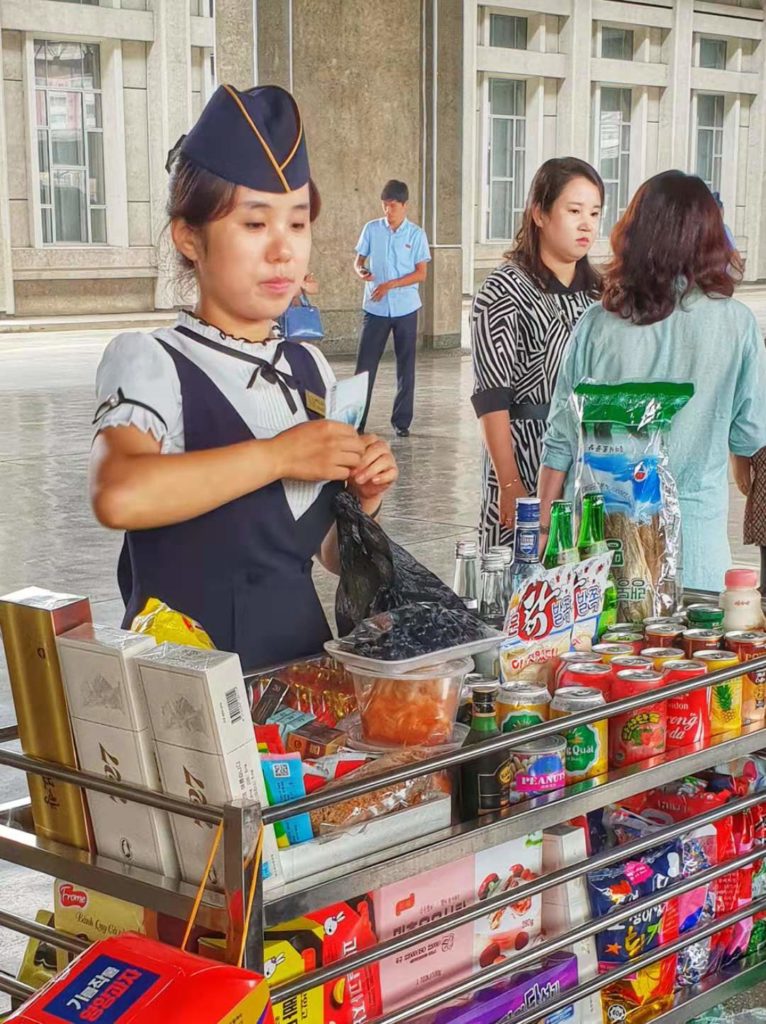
{"type": "Point", "coordinates": [412, 709]}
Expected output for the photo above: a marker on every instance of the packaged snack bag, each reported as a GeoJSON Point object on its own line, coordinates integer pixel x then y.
{"type": "Point", "coordinates": [623, 454]}
{"type": "Point", "coordinates": [539, 627]}
{"type": "Point", "coordinates": [166, 625]}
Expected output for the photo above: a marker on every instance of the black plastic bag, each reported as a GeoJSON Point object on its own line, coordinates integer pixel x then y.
{"type": "Point", "coordinates": [377, 575]}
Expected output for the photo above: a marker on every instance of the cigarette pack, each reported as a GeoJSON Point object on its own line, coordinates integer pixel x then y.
{"type": "Point", "coordinates": [315, 740]}
{"type": "Point", "coordinates": [30, 620]}
{"type": "Point", "coordinates": [205, 746]}
{"type": "Point", "coordinates": [134, 980]}
{"type": "Point", "coordinates": [113, 737]}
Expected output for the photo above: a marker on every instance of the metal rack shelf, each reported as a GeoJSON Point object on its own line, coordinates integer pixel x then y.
{"type": "Point", "coordinates": [241, 822]}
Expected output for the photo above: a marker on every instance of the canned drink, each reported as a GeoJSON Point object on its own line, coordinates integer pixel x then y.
{"type": "Point", "coordinates": [725, 698]}
{"type": "Point", "coordinates": [656, 620]}
{"type": "Point", "coordinates": [587, 752]}
{"type": "Point", "coordinates": [660, 655]}
{"type": "Point", "coordinates": [630, 662]}
{"type": "Point", "coordinates": [695, 640]}
{"type": "Point", "coordinates": [598, 676]}
{"type": "Point", "coordinates": [625, 627]}
{"type": "Point", "coordinates": [639, 734]}
{"type": "Point", "coordinates": [522, 706]}
{"type": "Point", "coordinates": [635, 639]}
{"type": "Point", "coordinates": [748, 645]}
{"type": "Point", "coordinates": [537, 767]}
{"type": "Point", "coordinates": [664, 634]}
{"type": "Point", "coordinates": [608, 651]}
{"type": "Point", "coordinates": [688, 713]}
{"type": "Point", "coordinates": [574, 658]}
{"type": "Point", "coordinates": [704, 616]}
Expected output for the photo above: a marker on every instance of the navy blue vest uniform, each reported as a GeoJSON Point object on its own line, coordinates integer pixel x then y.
{"type": "Point", "coordinates": [243, 570]}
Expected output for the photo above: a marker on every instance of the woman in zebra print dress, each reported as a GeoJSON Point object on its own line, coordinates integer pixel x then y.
{"type": "Point", "coordinates": [521, 320]}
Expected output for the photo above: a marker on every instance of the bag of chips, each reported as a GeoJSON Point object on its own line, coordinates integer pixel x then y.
{"type": "Point", "coordinates": [623, 454]}
{"type": "Point", "coordinates": [168, 626]}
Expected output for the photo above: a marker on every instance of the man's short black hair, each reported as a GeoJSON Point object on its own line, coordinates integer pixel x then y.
{"type": "Point", "coordinates": [395, 191]}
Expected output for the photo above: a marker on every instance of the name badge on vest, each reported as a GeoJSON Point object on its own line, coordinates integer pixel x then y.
{"type": "Point", "coordinates": [314, 403]}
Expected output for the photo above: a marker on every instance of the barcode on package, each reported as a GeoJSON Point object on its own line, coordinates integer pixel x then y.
{"type": "Point", "coordinates": [234, 706]}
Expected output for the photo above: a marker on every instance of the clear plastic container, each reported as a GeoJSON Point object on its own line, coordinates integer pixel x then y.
{"type": "Point", "coordinates": [416, 709]}
{"type": "Point", "coordinates": [741, 600]}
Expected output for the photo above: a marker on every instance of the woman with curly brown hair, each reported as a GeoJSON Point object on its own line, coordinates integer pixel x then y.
{"type": "Point", "coordinates": [667, 314]}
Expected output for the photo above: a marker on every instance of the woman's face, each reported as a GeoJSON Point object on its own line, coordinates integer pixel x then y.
{"type": "Point", "coordinates": [569, 228]}
{"type": "Point", "coordinates": [252, 261]}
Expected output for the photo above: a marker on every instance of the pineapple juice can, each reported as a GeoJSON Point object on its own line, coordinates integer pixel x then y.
{"type": "Point", "coordinates": [725, 698]}
{"type": "Point", "coordinates": [749, 645]}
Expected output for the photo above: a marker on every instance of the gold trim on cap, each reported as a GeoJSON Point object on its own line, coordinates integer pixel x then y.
{"type": "Point", "coordinates": [275, 164]}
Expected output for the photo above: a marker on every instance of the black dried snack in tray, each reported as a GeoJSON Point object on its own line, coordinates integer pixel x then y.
{"type": "Point", "coordinates": [414, 630]}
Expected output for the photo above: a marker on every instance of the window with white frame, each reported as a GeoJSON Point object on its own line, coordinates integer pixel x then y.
{"type": "Point", "coordinates": [508, 31]}
{"type": "Point", "coordinates": [507, 150]}
{"type": "Point", "coordinates": [70, 144]}
{"type": "Point", "coordinates": [616, 43]}
{"type": "Point", "coordinates": [712, 53]}
{"type": "Point", "coordinates": [612, 119]}
{"type": "Point", "coordinates": [709, 162]}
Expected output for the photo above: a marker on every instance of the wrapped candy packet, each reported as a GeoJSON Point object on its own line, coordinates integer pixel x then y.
{"type": "Point", "coordinates": [169, 626]}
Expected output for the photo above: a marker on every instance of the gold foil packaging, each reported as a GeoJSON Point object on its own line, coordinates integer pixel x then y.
{"type": "Point", "coordinates": [30, 620]}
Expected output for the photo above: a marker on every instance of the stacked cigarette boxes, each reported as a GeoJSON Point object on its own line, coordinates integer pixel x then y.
{"type": "Point", "coordinates": [110, 722]}
{"type": "Point", "coordinates": [566, 906]}
{"type": "Point", "coordinates": [205, 746]}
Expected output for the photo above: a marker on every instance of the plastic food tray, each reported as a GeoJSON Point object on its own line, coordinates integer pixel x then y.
{"type": "Point", "coordinates": [398, 668]}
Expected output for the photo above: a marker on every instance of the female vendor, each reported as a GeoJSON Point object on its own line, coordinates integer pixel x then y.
{"type": "Point", "coordinates": [212, 451]}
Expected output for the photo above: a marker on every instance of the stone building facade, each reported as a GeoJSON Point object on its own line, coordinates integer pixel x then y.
{"type": "Point", "coordinates": [460, 98]}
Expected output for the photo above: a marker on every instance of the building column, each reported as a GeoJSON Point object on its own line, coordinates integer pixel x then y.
{"type": "Point", "coordinates": [235, 42]}
{"type": "Point", "coordinates": [675, 105]}
{"type": "Point", "coordinates": [574, 104]}
{"type": "Point", "coordinates": [755, 193]}
{"type": "Point", "coordinates": [443, 212]}
{"type": "Point", "coordinates": [169, 100]}
{"type": "Point", "coordinates": [274, 42]}
{"type": "Point", "coordinates": [7, 304]}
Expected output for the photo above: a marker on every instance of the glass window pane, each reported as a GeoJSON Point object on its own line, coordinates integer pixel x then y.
{"type": "Point", "coordinates": [67, 149]}
{"type": "Point", "coordinates": [705, 155]}
{"type": "Point", "coordinates": [718, 111]}
{"type": "Point", "coordinates": [611, 101]}
{"type": "Point", "coordinates": [98, 225]}
{"type": "Point", "coordinates": [710, 111]}
{"type": "Point", "coordinates": [625, 138]}
{"type": "Point", "coordinates": [96, 168]}
{"type": "Point", "coordinates": [609, 218]}
{"type": "Point", "coordinates": [501, 210]}
{"type": "Point", "coordinates": [501, 95]}
{"type": "Point", "coordinates": [502, 135]}
{"type": "Point", "coordinates": [713, 53]}
{"type": "Point", "coordinates": [40, 63]}
{"type": "Point", "coordinates": [47, 217]}
{"type": "Point", "coordinates": [92, 101]}
{"type": "Point", "coordinates": [65, 111]}
{"type": "Point", "coordinates": [42, 161]}
{"type": "Point", "coordinates": [41, 106]}
{"type": "Point", "coordinates": [617, 43]}
{"type": "Point", "coordinates": [508, 31]}
{"type": "Point", "coordinates": [64, 65]}
{"type": "Point", "coordinates": [91, 65]}
{"type": "Point", "coordinates": [519, 196]}
{"type": "Point", "coordinates": [70, 204]}
{"type": "Point", "coordinates": [626, 104]}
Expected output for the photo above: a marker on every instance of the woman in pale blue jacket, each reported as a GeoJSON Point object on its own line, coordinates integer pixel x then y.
{"type": "Point", "coordinates": [667, 314]}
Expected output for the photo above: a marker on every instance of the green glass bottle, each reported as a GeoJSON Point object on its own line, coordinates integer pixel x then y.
{"type": "Point", "coordinates": [560, 549]}
{"type": "Point", "coordinates": [592, 541]}
{"type": "Point", "coordinates": [484, 782]}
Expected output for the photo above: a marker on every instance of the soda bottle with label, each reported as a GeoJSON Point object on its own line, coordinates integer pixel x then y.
{"type": "Point", "coordinates": [591, 542]}
{"type": "Point", "coordinates": [485, 781]}
{"type": "Point", "coordinates": [560, 548]}
{"type": "Point", "coordinates": [526, 545]}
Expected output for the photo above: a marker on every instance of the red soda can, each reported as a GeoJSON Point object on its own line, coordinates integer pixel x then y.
{"type": "Point", "coordinates": [634, 639]}
{"type": "Point", "coordinates": [664, 634]}
{"type": "Point", "coordinates": [572, 658]}
{"type": "Point", "coordinates": [688, 713]}
{"type": "Point", "coordinates": [696, 640]}
{"type": "Point", "coordinates": [639, 734]}
{"type": "Point", "coordinates": [630, 663]}
{"type": "Point", "coordinates": [597, 676]}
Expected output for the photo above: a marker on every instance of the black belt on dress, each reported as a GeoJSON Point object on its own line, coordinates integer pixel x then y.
{"type": "Point", "coordinates": [527, 411]}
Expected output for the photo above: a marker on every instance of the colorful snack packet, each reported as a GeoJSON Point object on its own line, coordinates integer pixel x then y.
{"type": "Point", "coordinates": [283, 775]}
{"type": "Point", "coordinates": [168, 626]}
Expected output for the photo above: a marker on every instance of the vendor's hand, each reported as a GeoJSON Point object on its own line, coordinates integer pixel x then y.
{"type": "Point", "coordinates": [508, 498]}
{"type": "Point", "coordinates": [363, 273]}
{"type": "Point", "coordinates": [381, 291]}
{"type": "Point", "coordinates": [318, 450]}
{"type": "Point", "coordinates": [742, 470]}
{"type": "Point", "coordinates": [376, 472]}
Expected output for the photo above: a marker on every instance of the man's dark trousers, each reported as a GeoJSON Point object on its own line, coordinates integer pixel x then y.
{"type": "Point", "coordinates": [372, 344]}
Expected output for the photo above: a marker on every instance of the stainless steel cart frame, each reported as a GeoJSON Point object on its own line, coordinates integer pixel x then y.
{"type": "Point", "coordinates": [242, 820]}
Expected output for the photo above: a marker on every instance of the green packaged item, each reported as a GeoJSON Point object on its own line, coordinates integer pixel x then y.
{"type": "Point", "coordinates": [623, 455]}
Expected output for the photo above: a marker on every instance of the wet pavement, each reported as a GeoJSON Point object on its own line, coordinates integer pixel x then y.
{"type": "Point", "coordinates": [48, 537]}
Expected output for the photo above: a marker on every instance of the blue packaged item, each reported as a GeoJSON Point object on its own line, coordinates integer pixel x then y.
{"type": "Point", "coordinates": [283, 775]}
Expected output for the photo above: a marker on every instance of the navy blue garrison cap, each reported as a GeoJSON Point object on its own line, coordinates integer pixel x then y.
{"type": "Point", "coordinates": [253, 138]}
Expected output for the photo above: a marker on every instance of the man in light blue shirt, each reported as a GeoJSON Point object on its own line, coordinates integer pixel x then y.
{"type": "Point", "coordinates": [392, 254]}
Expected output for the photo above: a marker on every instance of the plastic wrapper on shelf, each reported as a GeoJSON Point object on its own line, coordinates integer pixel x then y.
{"type": "Point", "coordinates": [412, 630]}
{"type": "Point", "coordinates": [623, 454]}
{"type": "Point", "coordinates": [169, 626]}
{"type": "Point", "coordinates": [377, 575]}
{"type": "Point", "coordinates": [319, 686]}
{"type": "Point", "coordinates": [381, 801]}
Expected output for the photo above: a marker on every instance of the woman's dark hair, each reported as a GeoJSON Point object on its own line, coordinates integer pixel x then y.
{"type": "Point", "coordinates": [198, 197]}
{"type": "Point", "coordinates": [549, 182]}
{"type": "Point", "coordinates": [670, 240]}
